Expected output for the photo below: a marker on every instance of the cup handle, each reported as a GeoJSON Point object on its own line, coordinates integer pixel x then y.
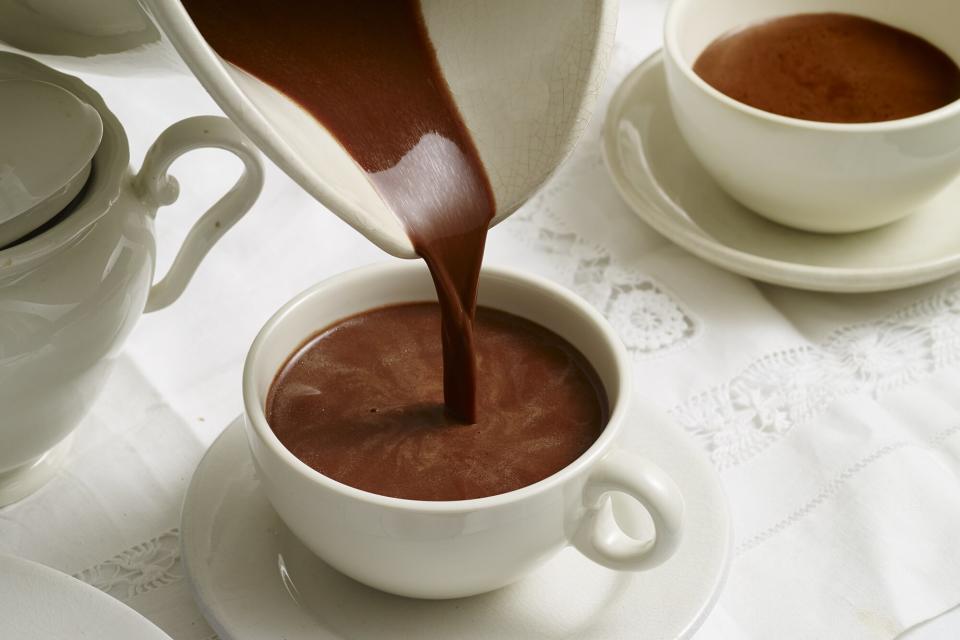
{"type": "Point", "coordinates": [598, 535]}
{"type": "Point", "coordinates": [157, 188]}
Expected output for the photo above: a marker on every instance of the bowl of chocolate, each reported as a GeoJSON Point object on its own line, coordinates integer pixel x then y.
{"type": "Point", "coordinates": [829, 116]}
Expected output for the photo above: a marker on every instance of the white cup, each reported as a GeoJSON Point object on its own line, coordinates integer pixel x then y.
{"type": "Point", "coordinates": [816, 176]}
{"type": "Point", "coordinates": [460, 548]}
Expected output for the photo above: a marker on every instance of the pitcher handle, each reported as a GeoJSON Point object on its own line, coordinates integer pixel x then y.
{"type": "Point", "coordinates": [157, 188]}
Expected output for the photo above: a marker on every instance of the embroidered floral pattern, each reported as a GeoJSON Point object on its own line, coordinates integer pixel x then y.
{"type": "Point", "coordinates": [737, 420]}
{"type": "Point", "coordinates": [139, 569]}
{"type": "Point", "coordinates": [881, 356]}
{"type": "Point", "coordinates": [647, 318]}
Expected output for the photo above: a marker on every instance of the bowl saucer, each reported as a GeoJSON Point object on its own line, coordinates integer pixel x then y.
{"type": "Point", "coordinates": [253, 579]}
{"type": "Point", "coordinates": [661, 180]}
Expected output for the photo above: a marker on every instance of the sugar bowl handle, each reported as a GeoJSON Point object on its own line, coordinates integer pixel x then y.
{"type": "Point", "coordinates": [157, 188]}
{"type": "Point", "coordinates": [598, 535]}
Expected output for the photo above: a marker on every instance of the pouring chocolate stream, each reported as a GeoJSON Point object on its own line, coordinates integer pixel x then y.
{"type": "Point", "coordinates": [367, 71]}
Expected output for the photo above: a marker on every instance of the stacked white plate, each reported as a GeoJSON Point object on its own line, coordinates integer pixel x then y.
{"type": "Point", "coordinates": [39, 602]}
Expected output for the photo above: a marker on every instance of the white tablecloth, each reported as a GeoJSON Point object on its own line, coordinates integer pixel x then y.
{"type": "Point", "coordinates": [835, 420]}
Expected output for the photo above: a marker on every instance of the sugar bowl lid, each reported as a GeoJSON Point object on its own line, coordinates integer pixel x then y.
{"type": "Point", "coordinates": [48, 138]}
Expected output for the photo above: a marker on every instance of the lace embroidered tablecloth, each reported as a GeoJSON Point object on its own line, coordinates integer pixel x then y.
{"type": "Point", "coordinates": [834, 420]}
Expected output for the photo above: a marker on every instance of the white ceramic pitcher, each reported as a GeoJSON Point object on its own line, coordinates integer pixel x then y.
{"type": "Point", "coordinates": [524, 76]}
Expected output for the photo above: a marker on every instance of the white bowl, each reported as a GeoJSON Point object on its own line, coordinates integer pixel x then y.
{"type": "Point", "coordinates": [659, 178]}
{"type": "Point", "coordinates": [816, 176]}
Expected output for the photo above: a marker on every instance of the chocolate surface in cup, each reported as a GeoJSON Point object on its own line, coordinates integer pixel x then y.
{"type": "Point", "coordinates": [367, 71]}
{"type": "Point", "coordinates": [362, 403]}
{"type": "Point", "coordinates": [831, 67]}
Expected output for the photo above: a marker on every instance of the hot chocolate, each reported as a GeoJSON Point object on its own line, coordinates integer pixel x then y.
{"type": "Point", "coordinates": [831, 67]}
{"type": "Point", "coordinates": [361, 402]}
{"type": "Point", "coordinates": [366, 69]}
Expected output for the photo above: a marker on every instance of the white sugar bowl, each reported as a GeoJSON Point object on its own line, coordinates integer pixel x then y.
{"type": "Point", "coordinates": [72, 288]}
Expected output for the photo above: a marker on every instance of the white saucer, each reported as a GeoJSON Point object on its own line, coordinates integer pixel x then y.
{"type": "Point", "coordinates": [660, 179]}
{"type": "Point", "coordinates": [253, 579]}
{"type": "Point", "coordinates": [40, 602]}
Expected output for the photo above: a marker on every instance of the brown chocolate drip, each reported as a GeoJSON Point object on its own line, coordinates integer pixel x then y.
{"type": "Point", "coordinates": [367, 71]}
{"type": "Point", "coordinates": [831, 67]}
{"type": "Point", "coordinates": [361, 403]}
